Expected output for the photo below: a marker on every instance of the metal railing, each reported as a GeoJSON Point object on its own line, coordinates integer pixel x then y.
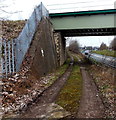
{"type": "Point", "coordinates": [106, 60]}
{"type": "Point", "coordinates": [7, 58]}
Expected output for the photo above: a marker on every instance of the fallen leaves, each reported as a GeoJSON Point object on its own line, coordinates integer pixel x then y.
{"type": "Point", "coordinates": [11, 29]}
{"type": "Point", "coordinates": [22, 89]}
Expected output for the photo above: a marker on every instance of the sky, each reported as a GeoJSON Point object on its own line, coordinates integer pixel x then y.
{"type": "Point", "coordinates": [94, 41]}
{"type": "Point", "coordinates": [22, 9]}
{"type": "Point", "coordinates": [25, 7]}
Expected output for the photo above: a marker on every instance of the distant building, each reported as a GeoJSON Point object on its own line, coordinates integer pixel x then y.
{"type": "Point", "coordinates": [95, 48]}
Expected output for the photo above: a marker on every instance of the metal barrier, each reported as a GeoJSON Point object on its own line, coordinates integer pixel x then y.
{"type": "Point", "coordinates": [106, 60]}
{"type": "Point", "coordinates": [26, 36]}
{"type": "Point", "coordinates": [7, 58]}
{"type": "Point", "coordinates": [12, 52]}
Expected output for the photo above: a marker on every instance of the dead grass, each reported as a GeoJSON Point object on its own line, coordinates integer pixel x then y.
{"type": "Point", "coordinates": [104, 79]}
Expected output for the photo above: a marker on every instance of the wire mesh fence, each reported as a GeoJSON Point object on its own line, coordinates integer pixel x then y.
{"type": "Point", "coordinates": [26, 36]}
{"type": "Point", "coordinates": [12, 52]}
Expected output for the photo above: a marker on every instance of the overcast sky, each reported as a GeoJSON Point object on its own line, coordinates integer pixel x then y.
{"type": "Point", "coordinates": [94, 41]}
{"type": "Point", "coordinates": [26, 8]}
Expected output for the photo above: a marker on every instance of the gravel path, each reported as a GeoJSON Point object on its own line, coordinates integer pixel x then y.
{"type": "Point", "coordinates": [91, 105]}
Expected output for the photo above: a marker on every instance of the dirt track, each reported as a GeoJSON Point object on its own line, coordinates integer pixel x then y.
{"type": "Point", "coordinates": [91, 105]}
{"type": "Point", "coordinates": [47, 97]}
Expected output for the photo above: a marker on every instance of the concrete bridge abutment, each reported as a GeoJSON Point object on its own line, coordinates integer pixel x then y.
{"type": "Point", "coordinates": [46, 51]}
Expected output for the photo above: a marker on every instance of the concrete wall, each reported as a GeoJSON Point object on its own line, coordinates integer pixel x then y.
{"type": "Point", "coordinates": [41, 56]}
{"type": "Point", "coordinates": [46, 51]}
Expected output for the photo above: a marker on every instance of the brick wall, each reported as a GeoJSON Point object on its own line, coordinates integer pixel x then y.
{"type": "Point", "coordinates": [60, 44]}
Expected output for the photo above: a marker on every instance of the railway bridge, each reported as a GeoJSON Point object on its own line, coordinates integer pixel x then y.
{"type": "Point", "coordinates": [42, 45]}
{"type": "Point", "coordinates": [85, 23]}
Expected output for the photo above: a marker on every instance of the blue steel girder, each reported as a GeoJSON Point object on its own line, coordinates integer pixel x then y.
{"type": "Point", "coordinates": [85, 23]}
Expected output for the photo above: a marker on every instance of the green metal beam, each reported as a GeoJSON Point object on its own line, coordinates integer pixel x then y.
{"type": "Point", "coordinates": [84, 22]}
{"type": "Point", "coordinates": [70, 24]}
{"type": "Point", "coordinates": [110, 11]}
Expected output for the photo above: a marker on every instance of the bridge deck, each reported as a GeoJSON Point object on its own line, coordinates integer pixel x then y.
{"type": "Point", "coordinates": [85, 23]}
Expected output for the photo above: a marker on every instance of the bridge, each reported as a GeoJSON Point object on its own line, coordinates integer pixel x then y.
{"type": "Point", "coordinates": [39, 50]}
{"type": "Point", "coordinates": [85, 23]}
{"type": "Point", "coordinates": [43, 39]}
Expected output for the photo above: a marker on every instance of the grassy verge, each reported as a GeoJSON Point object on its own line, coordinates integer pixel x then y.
{"type": "Point", "coordinates": [69, 97]}
{"type": "Point", "coordinates": [104, 79]}
{"type": "Point", "coordinates": [106, 52]}
{"type": "Point", "coordinates": [58, 72]}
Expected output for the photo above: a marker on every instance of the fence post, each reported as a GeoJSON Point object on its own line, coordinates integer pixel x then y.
{"type": "Point", "coordinates": [41, 11]}
{"type": "Point", "coordinates": [9, 56]}
{"type": "Point", "coordinates": [6, 69]}
{"type": "Point", "coordinates": [13, 63]}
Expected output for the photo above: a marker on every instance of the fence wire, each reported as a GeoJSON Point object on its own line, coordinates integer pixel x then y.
{"type": "Point", "coordinates": [7, 58]}
{"type": "Point", "coordinates": [12, 52]}
{"type": "Point", "coordinates": [26, 36]}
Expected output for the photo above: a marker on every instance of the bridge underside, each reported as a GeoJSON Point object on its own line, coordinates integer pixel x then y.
{"type": "Point", "coordinates": [88, 32]}
{"type": "Point", "coordinates": [87, 23]}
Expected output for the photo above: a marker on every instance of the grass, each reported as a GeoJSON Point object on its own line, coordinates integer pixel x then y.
{"type": "Point", "coordinates": [104, 79]}
{"type": "Point", "coordinates": [58, 72]}
{"type": "Point", "coordinates": [69, 96]}
{"type": "Point", "coordinates": [106, 52]}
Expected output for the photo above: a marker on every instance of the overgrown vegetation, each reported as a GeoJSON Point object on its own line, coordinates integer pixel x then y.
{"type": "Point", "coordinates": [105, 81]}
{"type": "Point", "coordinates": [74, 46]}
{"type": "Point", "coordinates": [103, 46]}
{"type": "Point", "coordinates": [106, 52]}
{"type": "Point", "coordinates": [69, 97]}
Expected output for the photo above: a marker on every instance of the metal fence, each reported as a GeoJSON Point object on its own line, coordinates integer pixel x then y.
{"type": "Point", "coordinates": [13, 52]}
{"type": "Point", "coordinates": [7, 58]}
{"type": "Point", "coordinates": [106, 60]}
{"type": "Point", "coordinates": [26, 36]}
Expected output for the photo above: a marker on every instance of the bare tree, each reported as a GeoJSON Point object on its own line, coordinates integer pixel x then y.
{"type": "Point", "coordinates": [103, 46]}
{"type": "Point", "coordinates": [74, 46]}
{"type": "Point", "coordinates": [113, 44]}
